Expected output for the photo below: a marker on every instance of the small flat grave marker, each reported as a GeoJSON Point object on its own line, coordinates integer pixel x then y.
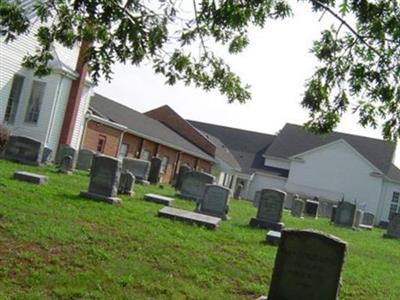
{"type": "Point", "coordinates": [190, 217]}
{"type": "Point", "coordinates": [158, 199]}
{"type": "Point", "coordinates": [308, 265]}
{"type": "Point", "coordinates": [30, 177]}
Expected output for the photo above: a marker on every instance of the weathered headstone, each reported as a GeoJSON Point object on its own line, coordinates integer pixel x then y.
{"type": "Point", "coordinates": [270, 208]}
{"type": "Point", "coordinates": [308, 265]}
{"type": "Point", "coordinates": [65, 150]}
{"type": "Point", "coordinates": [104, 179]}
{"type": "Point", "coordinates": [85, 158]}
{"type": "Point", "coordinates": [181, 174]}
{"type": "Point", "coordinates": [214, 201]}
{"type": "Point", "coordinates": [393, 229]}
{"type": "Point", "coordinates": [358, 218]}
{"type": "Point", "coordinates": [325, 208]}
{"type": "Point", "coordinates": [138, 167]}
{"type": "Point", "coordinates": [345, 214]}
{"type": "Point", "coordinates": [155, 169]}
{"type": "Point", "coordinates": [159, 199]}
{"type": "Point", "coordinates": [126, 183]}
{"type": "Point", "coordinates": [190, 217]}
{"type": "Point", "coordinates": [194, 183]}
{"type": "Point", "coordinates": [333, 214]}
{"type": "Point", "coordinates": [46, 157]}
{"type": "Point", "coordinates": [66, 165]}
{"type": "Point", "coordinates": [297, 208]}
{"type": "Point", "coordinates": [238, 191]}
{"type": "Point", "coordinates": [30, 177]}
{"type": "Point", "coordinates": [256, 201]}
{"type": "Point", "coordinates": [24, 150]}
{"type": "Point", "coordinates": [311, 208]}
{"type": "Point", "coordinates": [367, 221]}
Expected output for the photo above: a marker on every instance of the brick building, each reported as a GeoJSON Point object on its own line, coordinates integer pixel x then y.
{"type": "Point", "coordinates": [116, 130]}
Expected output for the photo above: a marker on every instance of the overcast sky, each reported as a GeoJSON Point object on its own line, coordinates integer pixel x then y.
{"type": "Point", "coordinates": [275, 64]}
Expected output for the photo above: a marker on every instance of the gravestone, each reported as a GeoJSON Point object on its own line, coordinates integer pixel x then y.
{"type": "Point", "coordinates": [358, 218]}
{"type": "Point", "coordinates": [368, 218]}
{"type": "Point", "coordinates": [269, 213]}
{"type": "Point", "coordinates": [126, 183]}
{"type": "Point", "coordinates": [333, 214]}
{"type": "Point", "coordinates": [311, 208]}
{"type": "Point", "coordinates": [214, 201]}
{"type": "Point", "coordinates": [308, 265]}
{"type": "Point", "coordinates": [46, 157]}
{"type": "Point", "coordinates": [194, 183]}
{"type": "Point", "coordinates": [104, 179]}
{"type": "Point", "coordinates": [190, 217]}
{"type": "Point", "coordinates": [181, 174]}
{"type": "Point", "coordinates": [138, 167]}
{"type": "Point", "coordinates": [159, 199]}
{"type": "Point", "coordinates": [24, 150]}
{"type": "Point", "coordinates": [85, 158]}
{"type": "Point", "coordinates": [345, 214]}
{"type": "Point", "coordinates": [30, 177]}
{"type": "Point", "coordinates": [238, 191]}
{"type": "Point", "coordinates": [155, 169]}
{"type": "Point", "coordinates": [256, 199]}
{"type": "Point", "coordinates": [393, 229]}
{"type": "Point", "coordinates": [325, 208]}
{"type": "Point", "coordinates": [297, 208]}
{"type": "Point", "coordinates": [65, 150]}
{"type": "Point", "coordinates": [66, 165]}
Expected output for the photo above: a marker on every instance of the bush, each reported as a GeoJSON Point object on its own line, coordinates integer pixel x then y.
{"type": "Point", "coordinates": [4, 135]}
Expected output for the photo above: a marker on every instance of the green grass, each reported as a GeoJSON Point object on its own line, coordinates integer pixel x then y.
{"type": "Point", "coordinates": [54, 244]}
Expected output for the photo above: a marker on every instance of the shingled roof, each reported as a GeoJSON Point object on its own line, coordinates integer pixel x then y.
{"type": "Point", "coordinates": [294, 139]}
{"type": "Point", "coordinates": [246, 146]}
{"type": "Point", "coordinates": [143, 125]}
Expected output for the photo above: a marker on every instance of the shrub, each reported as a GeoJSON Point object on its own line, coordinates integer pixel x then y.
{"type": "Point", "coordinates": [4, 135]}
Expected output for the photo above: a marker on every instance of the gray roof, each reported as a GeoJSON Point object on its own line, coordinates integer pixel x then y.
{"type": "Point", "coordinates": [246, 146]}
{"type": "Point", "coordinates": [143, 125]}
{"type": "Point", "coordinates": [294, 139]}
{"type": "Point", "coordinates": [222, 151]}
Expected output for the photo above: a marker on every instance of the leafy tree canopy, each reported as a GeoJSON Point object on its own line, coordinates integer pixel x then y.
{"type": "Point", "coordinates": [359, 56]}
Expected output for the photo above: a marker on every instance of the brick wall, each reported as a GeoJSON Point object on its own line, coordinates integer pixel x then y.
{"type": "Point", "coordinates": [171, 154]}
{"type": "Point", "coordinates": [204, 165]}
{"type": "Point", "coordinates": [93, 132]}
{"type": "Point", "coordinates": [134, 142]}
{"type": "Point", "coordinates": [171, 119]}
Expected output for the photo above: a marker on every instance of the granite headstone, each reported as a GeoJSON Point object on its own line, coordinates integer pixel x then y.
{"type": "Point", "coordinates": [24, 150]}
{"type": "Point", "coordinates": [138, 167]}
{"type": "Point", "coordinates": [297, 208]}
{"type": "Point", "coordinates": [393, 229]}
{"type": "Point", "coordinates": [181, 174]}
{"type": "Point", "coordinates": [194, 183]}
{"type": "Point", "coordinates": [155, 169]}
{"type": "Point", "coordinates": [345, 214]}
{"type": "Point", "coordinates": [85, 158]}
{"type": "Point", "coordinates": [214, 201]}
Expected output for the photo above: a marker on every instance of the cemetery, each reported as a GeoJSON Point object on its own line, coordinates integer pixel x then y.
{"type": "Point", "coordinates": [55, 244]}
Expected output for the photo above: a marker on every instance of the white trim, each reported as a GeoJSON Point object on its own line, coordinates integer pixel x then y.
{"type": "Point", "coordinates": [276, 158]}
{"type": "Point", "coordinates": [339, 141]}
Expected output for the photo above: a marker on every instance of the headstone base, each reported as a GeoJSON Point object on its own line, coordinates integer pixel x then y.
{"type": "Point", "coordinates": [223, 217]}
{"type": "Point", "coordinates": [366, 227]}
{"type": "Point", "coordinates": [186, 196]}
{"type": "Point", "coordinates": [254, 222]}
{"type": "Point", "coordinates": [388, 236]}
{"type": "Point", "coordinates": [273, 237]}
{"type": "Point", "coordinates": [97, 197]}
{"type": "Point", "coordinates": [128, 193]}
{"type": "Point", "coordinates": [142, 181]}
{"type": "Point", "coordinates": [159, 199]}
{"type": "Point", "coordinates": [262, 298]}
{"type": "Point", "coordinates": [30, 177]}
{"type": "Point", "coordinates": [190, 217]}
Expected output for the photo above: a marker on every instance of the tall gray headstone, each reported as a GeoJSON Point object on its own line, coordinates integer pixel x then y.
{"type": "Point", "coordinates": [138, 167]}
{"type": "Point", "coordinates": [345, 214]}
{"type": "Point", "coordinates": [155, 169]}
{"type": "Point", "coordinates": [194, 183]}
{"type": "Point", "coordinates": [308, 265]}
{"type": "Point", "coordinates": [66, 165]}
{"type": "Point", "coordinates": [181, 174]}
{"type": "Point", "coordinates": [325, 208]}
{"type": "Point", "coordinates": [85, 158]}
{"type": "Point", "coordinates": [46, 157]}
{"type": "Point", "coordinates": [333, 213]}
{"type": "Point", "coordinates": [214, 201]}
{"type": "Point", "coordinates": [270, 208]}
{"type": "Point", "coordinates": [297, 208]}
{"type": "Point", "coordinates": [24, 150]}
{"type": "Point", "coordinates": [393, 229]}
{"type": "Point", "coordinates": [256, 201]}
{"type": "Point", "coordinates": [104, 179]}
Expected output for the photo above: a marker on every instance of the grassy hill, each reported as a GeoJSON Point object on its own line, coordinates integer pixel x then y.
{"type": "Point", "coordinates": [54, 244]}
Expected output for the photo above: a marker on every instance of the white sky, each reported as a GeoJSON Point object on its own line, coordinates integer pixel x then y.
{"type": "Point", "coordinates": [276, 64]}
